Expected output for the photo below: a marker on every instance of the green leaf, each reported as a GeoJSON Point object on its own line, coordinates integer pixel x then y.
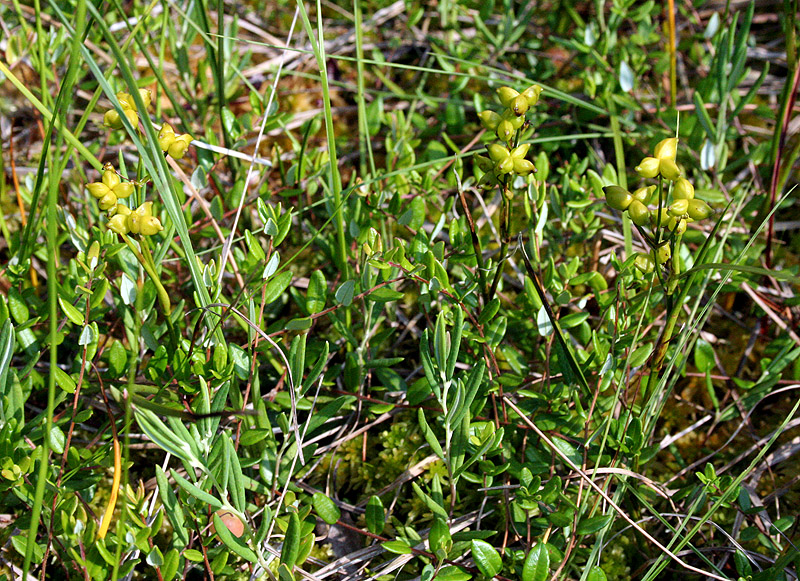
{"type": "Point", "coordinates": [591, 525]}
{"type": "Point", "coordinates": [703, 356]}
{"type": "Point", "coordinates": [397, 547]}
{"type": "Point", "coordinates": [73, 314]}
{"type": "Point", "coordinates": [64, 381]}
{"type": "Point", "coordinates": [193, 555]}
{"type": "Point", "coordinates": [291, 542]}
{"type": "Point", "coordinates": [344, 294]}
{"type": "Point", "coordinates": [375, 515]}
{"type": "Point", "coordinates": [317, 292]}
{"type": "Point", "coordinates": [170, 566]}
{"type": "Point", "coordinates": [640, 355]}
{"type": "Point", "coordinates": [326, 508]}
{"type": "Point", "coordinates": [486, 558]}
{"type": "Point", "coordinates": [432, 505]}
{"type": "Point", "coordinates": [451, 573]}
{"type": "Point", "coordinates": [276, 286]}
{"type": "Point", "coordinates": [193, 490]}
{"type": "Point", "coordinates": [596, 574]}
{"type": "Point", "coordinates": [573, 320]}
{"type": "Point", "coordinates": [384, 295]}
{"type": "Point", "coordinates": [430, 437]}
{"type": "Point", "coordinates": [537, 564]}
{"type": "Point", "coordinates": [234, 544]}
{"type": "Point", "coordinates": [173, 510]}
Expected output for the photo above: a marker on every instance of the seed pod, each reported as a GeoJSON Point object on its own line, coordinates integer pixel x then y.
{"type": "Point", "coordinates": [661, 254]}
{"type": "Point", "coordinates": [683, 190]}
{"type": "Point", "coordinates": [523, 167]}
{"type": "Point", "coordinates": [666, 149]}
{"type": "Point", "coordinates": [134, 221]}
{"type": "Point", "coordinates": [520, 151]}
{"type": "Point", "coordinates": [505, 166]}
{"type": "Point", "coordinates": [150, 225]}
{"type": "Point", "coordinates": [179, 147]}
{"type": "Point", "coordinates": [147, 96]}
{"type": "Point", "coordinates": [648, 168]}
{"type": "Point", "coordinates": [497, 153]}
{"type": "Point", "coordinates": [120, 209]}
{"type": "Point", "coordinates": [484, 163]}
{"type": "Point", "coordinates": [618, 197]}
{"type": "Point", "coordinates": [507, 95]}
{"type": "Point", "coordinates": [166, 137]}
{"type": "Point", "coordinates": [638, 213]}
{"type": "Point", "coordinates": [644, 194]}
{"type": "Point", "coordinates": [516, 122]}
{"type": "Point", "coordinates": [118, 223]}
{"type": "Point", "coordinates": [98, 189]}
{"type": "Point", "coordinates": [644, 263]}
{"type": "Point", "coordinates": [231, 521]}
{"type": "Point", "coordinates": [532, 94]}
{"type": "Point", "coordinates": [680, 226]}
{"type": "Point", "coordinates": [110, 177]}
{"type": "Point", "coordinates": [519, 105]}
{"type": "Point", "coordinates": [112, 120]}
{"type": "Point", "coordinates": [108, 201]}
{"type": "Point", "coordinates": [145, 209]}
{"type": "Point", "coordinates": [123, 190]}
{"type": "Point", "coordinates": [678, 207]}
{"type": "Point", "coordinates": [505, 131]}
{"type": "Point", "coordinates": [661, 222]}
{"type": "Point", "coordinates": [669, 169]}
{"type": "Point", "coordinates": [698, 210]}
{"type": "Point", "coordinates": [489, 119]}
{"type": "Point", "coordinates": [126, 101]}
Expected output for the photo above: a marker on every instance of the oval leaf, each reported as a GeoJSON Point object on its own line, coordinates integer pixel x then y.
{"type": "Point", "coordinates": [537, 564]}
{"type": "Point", "coordinates": [325, 508]}
{"type": "Point", "coordinates": [486, 558]}
{"type": "Point", "coordinates": [276, 286]}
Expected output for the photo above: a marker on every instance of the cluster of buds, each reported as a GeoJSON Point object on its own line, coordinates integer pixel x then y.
{"type": "Point", "coordinates": [172, 144]}
{"type": "Point", "coordinates": [123, 220]}
{"type": "Point", "coordinates": [673, 216]}
{"type": "Point", "coordinates": [110, 188]}
{"type": "Point", "coordinates": [112, 118]}
{"type": "Point", "coordinates": [507, 159]}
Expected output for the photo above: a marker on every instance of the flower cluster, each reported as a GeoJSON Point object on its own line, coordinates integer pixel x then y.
{"type": "Point", "coordinates": [112, 118]}
{"type": "Point", "coordinates": [508, 158]}
{"type": "Point", "coordinates": [175, 145]}
{"type": "Point", "coordinates": [672, 217]}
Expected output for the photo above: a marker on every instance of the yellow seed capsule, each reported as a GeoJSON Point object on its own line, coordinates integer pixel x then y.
{"type": "Point", "coordinates": [497, 153]}
{"type": "Point", "coordinates": [166, 137]}
{"type": "Point", "coordinates": [108, 201]}
{"type": "Point", "coordinates": [516, 122]}
{"type": "Point", "coordinates": [126, 101]}
{"type": "Point", "coordinates": [112, 119]}
{"type": "Point", "coordinates": [123, 190]}
{"type": "Point", "coordinates": [683, 190]}
{"type": "Point", "coordinates": [520, 151]}
{"type": "Point", "coordinates": [523, 167]}
{"type": "Point", "coordinates": [505, 131]}
{"type": "Point", "coordinates": [669, 169]}
{"type": "Point", "coordinates": [519, 105]}
{"type": "Point", "coordinates": [489, 119]}
{"type": "Point", "coordinates": [505, 166]}
{"type": "Point", "coordinates": [145, 209]}
{"type": "Point", "coordinates": [147, 96]}
{"type": "Point", "coordinates": [134, 221]}
{"type": "Point", "coordinates": [648, 168]}
{"type": "Point", "coordinates": [698, 210]}
{"type": "Point", "coordinates": [666, 149]}
{"type": "Point", "coordinates": [678, 207]}
{"type": "Point", "coordinates": [661, 254]}
{"type": "Point", "coordinates": [150, 225]}
{"type": "Point", "coordinates": [618, 197]}
{"type": "Point", "coordinates": [644, 194]}
{"type": "Point", "coordinates": [660, 220]}
{"type": "Point", "coordinates": [98, 189]}
{"type": "Point", "coordinates": [680, 227]}
{"type": "Point", "coordinates": [484, 163]}
{"type": "Point", "coordinates": [507, 95]}
{"type": "Point", "coordinates": [638, 213]}
{"type": "Point", "coordinates": [120, 209]}
{"type": "Point", "coordinates": [118, 223]}
{"type": "Point", "coordinates": [110, 177]}
{"type": "Point", "coordinates": [133, 117]}
{"type": "Point", "coordinates": [532, 94]}
{"type": "Point", "coordinates": [644, 263]}
{"type": "Point", "coordinates": [180, 146]}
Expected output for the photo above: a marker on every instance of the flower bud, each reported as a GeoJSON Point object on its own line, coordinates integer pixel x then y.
{"type": "Point", "coordinates": [698, 210]}
{"type": "Point", "coordinates": [666, 149]}
{"type": "Point", "coordinates": [683, 190]}
{"type": "Point", "coordinates": [108, 201]}
{"type": "Point", "coordinates": [123, 190]}
{"type": "Point", "coordinates": [98, 189]}
{"type": "Point", "coordinates": [644, 194]}
{"type": "Point", "coordinates": [618, 197]}
{"type": "Point", "coordinates": [150, 225]}
{"type": "Point", "coordinates": [532, 94]}
{"type": "Point", "coordinates": [648, 168]}
{"type": "Point", "coordinates": [669, 169]}
{"type": "Point", "coordinates": [489, 119]}
{"type": "Point", "coordinates": [505, 131]}
{"type": "Point", "coordinates": [638, 213]}
{"type": "Point", "coordinates": [507, 95]}
{"type": "Point", "coordinates": [678, 207]}
{"type": "Point", "coordinates": [179, 147]}
{"type": "Point", "coordinates": [118, 223]}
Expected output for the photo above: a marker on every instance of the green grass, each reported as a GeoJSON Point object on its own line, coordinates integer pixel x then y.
{"type": "Point", "coordinates": [343, 355]}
